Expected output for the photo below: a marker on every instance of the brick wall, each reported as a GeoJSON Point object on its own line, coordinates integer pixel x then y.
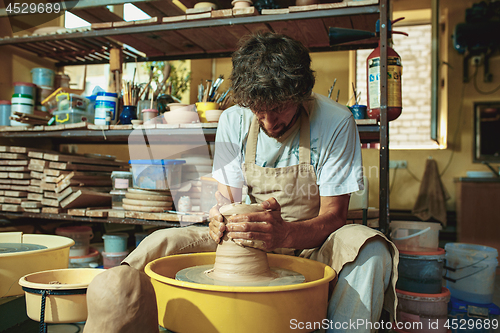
{"type": "Point", "coordinates": [412, 128]}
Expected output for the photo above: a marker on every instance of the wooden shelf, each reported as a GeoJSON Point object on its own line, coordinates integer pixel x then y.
{"type": "Point", "coordinates": [67, 217]}
{"type": "Point", "coordinates": [185, 37]}
{"type": "Point", "coordinates": [368, 133]}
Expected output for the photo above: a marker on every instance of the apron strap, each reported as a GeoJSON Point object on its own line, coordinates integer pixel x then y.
{"type": "Point", "coordinates": [304, 140]}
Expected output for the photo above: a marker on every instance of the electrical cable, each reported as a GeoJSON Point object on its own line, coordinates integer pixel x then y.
{"type": "Point", "coordinates": [393, 180]}
{"type": "Point", "coordinates": [479, 90]}
{"type": "Point", "coordinates": [413, 175]}
{"type": "Point", "coordinates": [457, 129]}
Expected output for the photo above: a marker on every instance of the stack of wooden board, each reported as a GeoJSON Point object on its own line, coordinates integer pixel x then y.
{"type": "Point", "coordinates": [148, 201]}
{"type": "Point", "coordinates": [36, 180]}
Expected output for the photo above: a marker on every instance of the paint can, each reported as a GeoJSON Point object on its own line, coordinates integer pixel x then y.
{"type": "Point", "coordinates": [21, 103]}
{"type": "Point", "coordinates": [5, 113]}
{"type": "Point", "coordinates": [105, 108]}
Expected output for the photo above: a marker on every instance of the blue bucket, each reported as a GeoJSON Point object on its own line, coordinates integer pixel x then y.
{"type": "Point", "coordinates": [43, 76]}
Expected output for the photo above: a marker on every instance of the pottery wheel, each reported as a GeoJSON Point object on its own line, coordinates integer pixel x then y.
{"type": "Point", "coordinates": [239, 265]}
{"type": "Point", "coordinates": [19, 247]}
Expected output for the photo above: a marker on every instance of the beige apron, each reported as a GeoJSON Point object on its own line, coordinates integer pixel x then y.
{"type": "Point", "coordinates": [296, 190]}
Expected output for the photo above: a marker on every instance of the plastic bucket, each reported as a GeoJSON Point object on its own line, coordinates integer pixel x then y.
{"type": "Point", "coordinates": [421, 272]}
{"type": "Point", "coordinates": [5, 113]}
{"type": "Point", "coordinates": [470, 271]}
{"type": "Point", "coordinates": [81, 235]}
{"type": "Point", "coordinates": [115, 243]}
{"type": "Point", "coordinates": [43, 76]}
{"type": "Point", "coordinates": [25, 88]}
{"type": "Point", "coordinates": [415, 236]}
{"type": "Point", "coordinates": [422, 312]}
{"type": "Point", "coordinates": [110, 260]}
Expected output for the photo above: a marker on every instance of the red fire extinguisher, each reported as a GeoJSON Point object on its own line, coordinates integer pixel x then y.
{"type": "Point", "coordinates": [394, 73]}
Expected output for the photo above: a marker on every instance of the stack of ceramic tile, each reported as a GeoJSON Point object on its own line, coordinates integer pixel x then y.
{"type": "Point", "coordinates": [147, 201]}
{"type": "Point", "coordinates": [196, 166]}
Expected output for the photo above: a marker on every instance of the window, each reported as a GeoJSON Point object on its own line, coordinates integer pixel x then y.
{"type": "Point", "coordinates": [412, 130]}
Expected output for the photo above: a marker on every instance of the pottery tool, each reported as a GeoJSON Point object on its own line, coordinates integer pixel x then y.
{"type": "Point", "coordinates": [207, 91]}
{"type": "Point", "coordinates": [338, 93]}
{"type": "Point", "coordinates": [146, 88]}
{"type": "Point", "coordinates": [331, 88]}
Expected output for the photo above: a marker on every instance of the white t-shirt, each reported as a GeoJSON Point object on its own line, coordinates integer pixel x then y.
{"type": "Point", "coordinates": [335, 147]}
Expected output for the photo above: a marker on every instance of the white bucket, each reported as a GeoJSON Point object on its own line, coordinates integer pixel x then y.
{"type": "Point", "coordinates": [470, 272]}
{"type": "Point", "coordinates": [415, 236]}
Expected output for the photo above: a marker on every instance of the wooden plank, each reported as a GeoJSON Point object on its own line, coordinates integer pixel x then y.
{"type": "Point", "coordinates": [13, 162]}
{"type": "Point", "coordinates": [75, 126]}
{"type": "Point", "coordinates": [5, 181]}
{"type": "Point", "coordinates": [277, 11]}
{"type": "Point", "coordinates": [36, 154]}
{"type": "Point", "coordinates": [54, 128]}
{"type": "Point", "coordinates": [201, 16]}
{"type": "Point", "coordinates": [20, 181]}
{"type": "Point", "coordinates": [31, 204]}
{"type": "Point", "coordinates": [52, 210]}
{"type": "Point", "coordinates": [5, 186]}
{"type": "Point", "coordinates": [200, 38]}
{"type": "Point", "coordinates": [54, 172]}
{"type": "Point", "coordinates": [16, 194]}
{"type": "Point", "coordinates": [334, 5]}
{"type": "Point", "coordinates": [23, 150]}
{"type": "Point", "coordinates": [35, 197]}
{"type": "Point", "coordinates": [83, 198]}
{"type": "Point", "coordinates": [288, 28]}
{"type": "Point", "coordinates": [172, 19]}
{"type": "Point", "coordinates": [120, 127]}
{"type": "Point", "coordinates": [307, 8]}
{"type": "Point", "coordinates": [34, 189]}
{"type": "Point", "coordinates": [182, 44]}
{"type": "Point", "coordinates": [19, 188]}
{"type": "Point", "coordinates": [18, 175]}
{"type": "Point", "coordinates": [83, 167]}
{"type": "Point", "coordinates": [36, 167]}
{"type": "Point", "coordinates": [338, 22]}
{"type": "Point", "coordinates": [50, 202]}
{"type": "Point", "coordinates": [246, 11]}
{"type": "Point", "coordinates": [36, 175]}
{"type": "Point", "coordinates": [15, 201]}
{"type": "Point", "coordinates": [222, 13]}
{"type": "Point", "coordinates": [11, 208]}
{"type": "Point", "coordinates": [31, 210]}
{"type": "Point", "coordinates": [77, 212]}
{"type": "Point", "coordinates": [48, 186]}
{"type": "Point", "coordinates": [14, 168]}
{"type": "Point", "coordinates": [116, 213]}
{"type": "Point", "coordinates": [82, 160]}
{"type": "Point", "coordinates": [2, 199]}
{"type": "Point", "coordinates": [314, 32]}
{"type": "Point", "coordinates": [101, 25]}
{"type": "Point", "coordinates": [98, 127]}
{"type": "Point", "coordinates": [97, 213]}
{"type": "Point", "coordinates": [35, 182]}
{"type": "Point", "coordinates": [153, 216]}
{"type": "Point", "coordinates": [149, 47]}
{"type": "Point", "coordinates": [4, 175]}
{"type": "Point", "coordinates": [13, 156]}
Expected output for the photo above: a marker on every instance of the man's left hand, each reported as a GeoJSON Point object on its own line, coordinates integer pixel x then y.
{"type": "Point", "coordinates": [263, 230]}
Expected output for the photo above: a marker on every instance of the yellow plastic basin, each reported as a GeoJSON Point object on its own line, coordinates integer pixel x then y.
{"type": "Point", "coordinates": [192, 307]}
{"type": "Point", "coordinates": [17, 264]}
{"type": "Point", "coordinates": [69, 308]}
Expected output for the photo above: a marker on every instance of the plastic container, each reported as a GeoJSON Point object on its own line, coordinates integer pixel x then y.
{"type": "Point", "coordinates": [17, 264]}
{"type": "Point", "coordinates": [21, 103]}
{"type": "Point", "coordinates": [61, 81]}
{"type": "Point", "coordinates": [139, 237]}
{"type": "Point", "coordinates": [42, 92]}
{"type": "Point", "coordinates": [72, 116]}
{"type": "Point", "coordinates": [117, 197]}
{"type": "Point", "coordinates": [67, 101]}
{"type": "Point", "coordinates": [121, 180]}
{"type": "Point", "coordinates": [157, 174]}
{"type": "Point", "coordinates": [145, 104]}
{"type": "Point", "coordinates": [67, 302]}
{"type": "Point", "coordinates": [25, 88]}
{"type": "Point", "coordinates": [421, 272]}
{"type": "Point", "coordinates": [208, 189]}
{"type": "Point", "coordinates": [472, 317]}
{"type": "Point", "coordinates": [148, 115]}
{"type": "Point", "coordinates": [5, 113]}
{"type": "Point", "coordinates": [91, 106]}
{"type": "Point", "coordinates": [113, 259]}
{"type": "Point", "coordinates": [415, 236]}
{"type": "Point", "coordinates": [43, 76]}
{"type": "Point", "coordinates": [423, 313]}
{"type": "Point", "coordinates": [105, 108]}
{"type": "Point", "coordinates": [86, 261]}
{"type": "Point", "coordinates": [470, 271]}
{"type": "Point", "coordinates": [81, 235]}
{"type": "Point", "coordinates": [115, 243]}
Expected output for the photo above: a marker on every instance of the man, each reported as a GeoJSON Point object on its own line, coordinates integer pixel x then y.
{"type": "Point", "coordinates": [299, 155]}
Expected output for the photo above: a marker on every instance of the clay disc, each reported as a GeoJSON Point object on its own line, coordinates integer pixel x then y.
{"type": "Point", "coordinates": [149, 192]}
{"type": "Point", "coordinates": [162, 204]}
{"type": "Point", "coordinates": [150, 197]}
{"type": "Point", "coordinates": [239, 208]}
{"type": "Point", "coordinates": [144, 209]}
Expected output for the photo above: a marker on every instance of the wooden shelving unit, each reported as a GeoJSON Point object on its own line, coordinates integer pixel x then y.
{"type": "Point", "coordinates": [171, 36]}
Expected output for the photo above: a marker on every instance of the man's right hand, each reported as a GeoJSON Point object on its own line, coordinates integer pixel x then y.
{"type": "Point", "coordinates": [217, 225]}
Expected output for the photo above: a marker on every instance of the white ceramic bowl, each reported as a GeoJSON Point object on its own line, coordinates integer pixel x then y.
{"type": "Point", "coordinates": [181, 117]}
{"type": "Point", "coordinates": [205, 5]}
{"type": "Point", "coordinates": [213, 115]}
{"type": "Point", "coordinates": [181, 106]}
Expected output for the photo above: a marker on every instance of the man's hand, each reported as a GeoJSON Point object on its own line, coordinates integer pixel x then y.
{"type": "Point", "coordinates": [270, 231]}
{"type": "Point", "coordinates": [217, 225]}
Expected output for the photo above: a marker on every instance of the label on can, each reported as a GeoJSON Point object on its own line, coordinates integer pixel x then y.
{"type": "Point", "coordinates": [121, 183]}
{"type": "Point", "coordinates": [394, 72]}
{"type": "Point", "coordinates": [105, 110]}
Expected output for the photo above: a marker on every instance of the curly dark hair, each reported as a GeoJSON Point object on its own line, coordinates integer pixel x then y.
{"type": "Point", "coordinates": [271, 70]}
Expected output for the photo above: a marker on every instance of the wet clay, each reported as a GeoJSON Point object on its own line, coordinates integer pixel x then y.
{"type": "Point", "coordinates": [234, 262]}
